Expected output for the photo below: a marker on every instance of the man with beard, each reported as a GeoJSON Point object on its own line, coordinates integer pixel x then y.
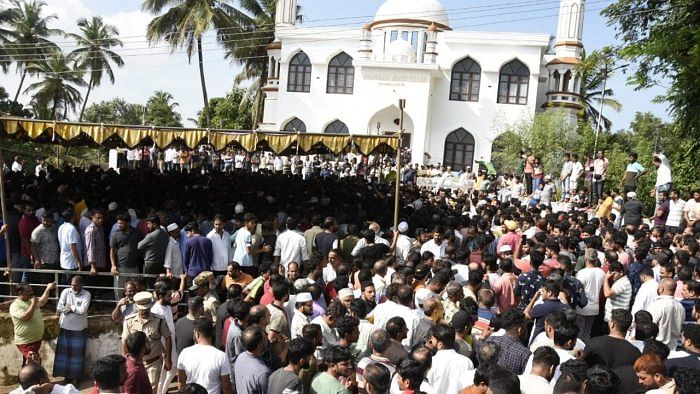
{"type": "Point", "coordinates": [154, 246]}
{"type": "Point", "coordinates": [123, 251]}
{"type": "Point", "coordinates": [302, 314]}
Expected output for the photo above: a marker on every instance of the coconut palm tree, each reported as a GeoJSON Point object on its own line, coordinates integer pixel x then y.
{"type": "Point", "coordinates": [60, 83]}
{"type": "Point", "coordinates": [255, 30]}
{"type": "Point", "coordinates": [594, 70]}
{"type": "Point", "coordinates": [94, 53]}
{"type": "Point", "coordinates": [184, 23]}
{"type": "Point", "coordinates": [7, 14]}
{"type": "Point", "coordinates": [160, 110]}
{"type": "Point", "coordinates": [28, 35]}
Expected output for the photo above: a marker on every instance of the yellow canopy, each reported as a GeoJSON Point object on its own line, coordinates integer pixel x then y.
{"type": "Point", "coordinates": [69, 133]}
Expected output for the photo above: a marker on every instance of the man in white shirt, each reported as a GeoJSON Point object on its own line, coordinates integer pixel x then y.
{"type": "Point", "coordinates": [403, 242]}
{"type": "Point", "coordinates": [221, 246]}
{"type": "Point", "coordinates": [162, 309]}
{"type": "Point", "coordinates": [449, 370]}
{"type": "Point", "coordinates": [592, 278]}
{"type": "Point", "coordinates": [291, 245]}
{"type": "Point", "coordinates": [362, 242]}
{"type": "Point", "coordinates": [244, 252]}
{"type": "Point", "coordinates": [437, 245]}
{"type": "Point", "coordinates": [663, 177]}
{"type": "Point", "coordinates": [647, 292]}
{"type": "Point", "coordinates": [545, 361]}
{"type": "Point", "coordinates": [204, 364]}
{"type": "Point", "coordinates": [691, 211]}
{"type": "Point", "coordinates": [668, 314]}
{"type": "Point", "coordinates": [565, 176]}
{"type": "Point", "coordinates": [173, 254]}
{"type": "Point", "coordinates": [70, 245]}
{"type": "Point", "coordinates": [33, 378]}
{"type": "Point", "coordinates": [17, 164]}
{"type": "Point", "coordinates": [600, 168]}
{"type": "Point", "coordinates": [675, 211]}
{"type": "Point", "coordinates": [576, 171]}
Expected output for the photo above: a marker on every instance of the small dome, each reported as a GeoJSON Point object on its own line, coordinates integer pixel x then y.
{"type": "Point", "coordinates": [401, 51]}
{"type": "Point", "coordinates": [424, 10]}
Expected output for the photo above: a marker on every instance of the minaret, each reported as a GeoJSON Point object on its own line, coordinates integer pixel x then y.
{"type": "Point", "coordinates": [286, 13]}
{"type": "Point", "coordinates": [564, 87]}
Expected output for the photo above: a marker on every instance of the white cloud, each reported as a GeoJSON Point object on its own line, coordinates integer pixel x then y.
{"type": "Point", "coordinates": [147, 68]}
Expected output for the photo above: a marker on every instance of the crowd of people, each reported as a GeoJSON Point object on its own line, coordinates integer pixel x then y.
{"type": "Point", "coordinates": [285, 282]}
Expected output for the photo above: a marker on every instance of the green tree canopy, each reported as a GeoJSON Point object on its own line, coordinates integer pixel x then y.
{"type": "Point", "coordinates": [662, 38]}
{"type": "Point", "coordinates": [115, 111]}
{"type": "Point", "coordinates": [160, 110]}
{"type": "Point", "coordinates": [228, 112]}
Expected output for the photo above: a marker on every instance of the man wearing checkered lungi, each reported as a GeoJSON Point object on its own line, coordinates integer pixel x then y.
{"type": "Point", "coordinates": [73, 306]}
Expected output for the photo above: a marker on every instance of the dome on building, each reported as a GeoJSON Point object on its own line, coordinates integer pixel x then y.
{"type": "Point", "coordinates": [401, 51]}
{"type": "Point", "coordinates": [423, 10]}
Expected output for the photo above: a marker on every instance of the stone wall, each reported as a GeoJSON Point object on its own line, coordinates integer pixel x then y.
{"type": "Point", "coordinates": [103, 339]}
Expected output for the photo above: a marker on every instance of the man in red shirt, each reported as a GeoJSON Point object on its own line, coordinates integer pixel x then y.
{"type": "Point", "coordinates": [25, 227]}
{"type": "Point", "coordinates": [136, 376]}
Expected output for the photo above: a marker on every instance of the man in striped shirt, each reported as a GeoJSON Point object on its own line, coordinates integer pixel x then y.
{"type": "Point", "coordinates": [617, 289]}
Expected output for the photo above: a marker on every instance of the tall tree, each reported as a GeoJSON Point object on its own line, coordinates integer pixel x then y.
{"type": "Point", "coordinates": [7, 14]}
{"type": "Point", "coordinates": [28, 35]}
{"type": "Point", "coordinates": [60, 83]}
{"type": "Point", "coordinates": [597, 67]}
{"type": "Point", "coordinates": [661, 38]}
{"type": "Point", "coordinates": [255, 30]}
{"type": "Point", "coordinates": [184, 23]}
{"type": "Point", "coordinates": [160, 110]}
{"type": "Point", "coordinates": [94, 53]}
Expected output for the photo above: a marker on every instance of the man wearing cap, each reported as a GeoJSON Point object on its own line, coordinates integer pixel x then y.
{"type": "Point", "coordinates": [403, 242]}
{"type": "Point", "coordinates": [198, 253]}
{"type": "Point", "coordinates": [632, 211]}
{"type": "Point", "coordinates": [201, 287]}
{"type": "Point", "coordinates": [302, 313]}
{"type": "Point", "coordinates": [155, 328]}
{"type": "Point", "coordinates": [510, 238]}
{"type": "Point", "coordinates": [173, 256]}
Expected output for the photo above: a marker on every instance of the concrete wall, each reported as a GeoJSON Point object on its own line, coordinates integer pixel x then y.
{"type": "Point", "coordinates": [103, 339]}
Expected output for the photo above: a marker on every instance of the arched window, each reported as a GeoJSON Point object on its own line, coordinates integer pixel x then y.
{"type": "Point", "coordinates": [513, 83]}
{"type": "Point", "coordinates": [294, 125]}
{"type": "Point", "coordinates": [466, 78]}
{"type": "Point", "coordinates": [337, 127]}
{"type": "Point", "coordinates": [341, 75]}
{"type": "Point", "coordinates": [459, 149]}
{"type": "Point", "coordinates": [567, 80]}
{"type": "Point", "coordinates": [299, 74]}
{"type": "Point", "coordinates": [557, 79]}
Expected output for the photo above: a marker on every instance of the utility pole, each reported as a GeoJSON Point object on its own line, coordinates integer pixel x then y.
{"type": "Point", "coordinates": [397, 199]}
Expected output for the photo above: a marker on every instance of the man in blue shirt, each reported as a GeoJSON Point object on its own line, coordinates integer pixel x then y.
{"type": "Point", "coordinates": [633, 172]}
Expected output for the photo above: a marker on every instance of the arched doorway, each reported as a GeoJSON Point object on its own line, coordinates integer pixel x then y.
{"type": "Point", "coordinates": [459, 149]}
{"type": "Point", "coordinates": [386, 122]}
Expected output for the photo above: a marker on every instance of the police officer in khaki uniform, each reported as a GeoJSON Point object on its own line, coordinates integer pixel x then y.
{"type": "Point", "coordinates": [155, 328]}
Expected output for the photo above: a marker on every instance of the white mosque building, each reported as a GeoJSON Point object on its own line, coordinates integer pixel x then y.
{"type": "Point", "coordinates": [458, 85]}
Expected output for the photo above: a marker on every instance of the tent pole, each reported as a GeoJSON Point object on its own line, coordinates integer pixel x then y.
{"type": "Point", "coordinates": [8, 254]}
{"type": "Point", "coordinates": [397, 199]}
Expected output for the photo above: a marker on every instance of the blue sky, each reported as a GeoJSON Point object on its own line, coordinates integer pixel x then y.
{"type": "Point", "coordinates": [148, 69]}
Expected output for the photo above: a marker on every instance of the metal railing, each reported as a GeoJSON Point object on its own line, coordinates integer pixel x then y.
{"type": "Point", "coordinates": [60, 287]}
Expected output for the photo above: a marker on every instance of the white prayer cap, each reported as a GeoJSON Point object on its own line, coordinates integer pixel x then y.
{"type": "Point", "coordinates": [303, 297]}
{"type": "Point", "coordinates": [172, 227]}
{"type": "Point", "coordinates": [239, 208]}
{"type": "Point", "coordinates": [112, 206]}
{"type": "Point", "coordinates": [403, 227]}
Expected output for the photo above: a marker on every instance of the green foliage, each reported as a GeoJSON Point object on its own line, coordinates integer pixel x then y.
{"type": "Point", "coordinates": [596, 67]}
{"type": "Point", "coordinates": [94, 52]}
{"type": "Point", "coordinates": [662, 38]}
{"type": "Point", "coordinates": [12, 108]}
{"type": "Point", "coordinates": [160, 110]}
{"type": "Point", "coordinates": [115, 111]}
{"type": "Point", "coordinates": [548, 135]}
{"type": "Point", "coordinates": [228, 112]}
{"type": "Point", "coordinates": [59, 85]}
